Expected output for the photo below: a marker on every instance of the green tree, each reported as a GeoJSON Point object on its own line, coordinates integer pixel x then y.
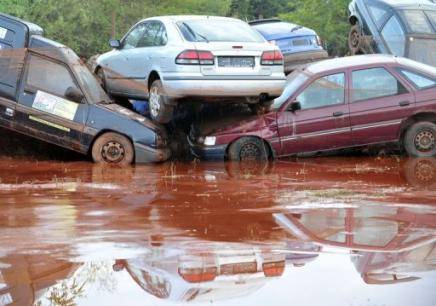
{"type": "Point", "coordinates": [257, 9]}
{"type": "Point", "coordinates": [327, 17]}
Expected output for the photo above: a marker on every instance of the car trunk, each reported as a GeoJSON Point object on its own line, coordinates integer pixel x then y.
{"type": "Point", "coordinates": [235, 59]}
{"type": "Point", "coordinates": [422, 49]}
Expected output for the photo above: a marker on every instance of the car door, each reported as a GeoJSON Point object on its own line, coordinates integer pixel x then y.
{"type": "Point", "coordinates": [379, 103]}
{"type": "Point", "coordinates": [323, 121]}
{"type": "Point", "coordinates": [43, 111]}
{"type": "Point", "coordinates": [123, 74]}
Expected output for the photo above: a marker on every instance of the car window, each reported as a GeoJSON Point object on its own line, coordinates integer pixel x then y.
{"type": "Point", "coordinates": [293, 83]}
{"type": "Point", "coordinates": [417, 21]}
{"type": "Point", "coordinates": [420, 81]}
{"type": "Point", "coordinates": [328, 90]}
{"type": "Point", "coordinates": [378, 14]}
{"type": "Point", "coordinates": [375, 83]}
{"type": "Point", "coordinates": [394, 36]}
{"type": "Point", "coordinates": [161, 37]}
{"type": "Point", "coordinates": [432, 16]}
{"type": "Point", "coordinates": [148, 38]}
{"type": "Point", "coordinates": [49, 76]}
{"type": "Point", "coordinates": [218, 30]}
{"type": "Point", "coordinates": [132, 39]}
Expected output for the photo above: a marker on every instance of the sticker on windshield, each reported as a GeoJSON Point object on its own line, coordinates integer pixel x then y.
{"type": "Point", "coordinates": [54, 105]}
{"type": "Point", "coordinates": [3, 33]}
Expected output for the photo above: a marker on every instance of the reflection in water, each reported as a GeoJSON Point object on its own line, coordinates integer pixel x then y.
{"type": "Point", "coordinates": [81, 234]}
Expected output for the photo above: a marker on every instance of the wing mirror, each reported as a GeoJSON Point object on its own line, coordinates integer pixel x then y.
{"type": "Point", "coordinates": [295, 106]}
{"type": "Point", "coordinates": [114, 43]}
{"type": "Point", "coordinates": [74, 94]}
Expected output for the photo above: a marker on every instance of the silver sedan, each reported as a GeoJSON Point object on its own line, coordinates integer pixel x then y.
{"type": "Point", "coordinates": [174, 58]}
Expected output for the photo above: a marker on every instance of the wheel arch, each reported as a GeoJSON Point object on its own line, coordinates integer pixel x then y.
{"type": "Point", "coordinates": [406, 124]}
{"type": "Point", "coordinates": [154, 75]}
{"type": "Point", "coordinates": [271, 151]}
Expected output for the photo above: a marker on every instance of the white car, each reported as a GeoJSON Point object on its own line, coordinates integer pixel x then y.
{"type": "Point", "coordinates": [167, 59]}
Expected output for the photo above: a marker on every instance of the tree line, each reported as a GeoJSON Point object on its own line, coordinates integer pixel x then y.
{"type": "Point", "coordinates": [86, 26]}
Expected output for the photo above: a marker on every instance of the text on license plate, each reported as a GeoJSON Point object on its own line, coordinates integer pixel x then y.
{"type": "Point", "coordinates": [234, 61]}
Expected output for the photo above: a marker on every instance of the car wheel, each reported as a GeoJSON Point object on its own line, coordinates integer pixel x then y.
{"type": "Point", "coordinates": [102, 78]}
{"type": "Point", "coordinates": [355, 40]}
{"type": "Point", "coordinates": [420, 140]}
{"type": "Point", "coordinates": [248, 149]}
{"type": "Point", "coordinates": [114, 149]}
{"type": "Point", "coordinates": [421, 172]}
{"type": "Point", "coordinates": [160, 110]}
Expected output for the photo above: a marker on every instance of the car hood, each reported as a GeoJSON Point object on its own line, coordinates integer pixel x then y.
{"type": "Point", "coordinates": [237, 124]}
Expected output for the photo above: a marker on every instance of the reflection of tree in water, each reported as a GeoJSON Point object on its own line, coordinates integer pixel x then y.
{"type": "Point", "coordinates": [98, 275]}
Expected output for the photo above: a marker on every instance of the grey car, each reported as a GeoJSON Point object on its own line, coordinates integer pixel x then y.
{"type": "Point", "coordinates": [187, 58]}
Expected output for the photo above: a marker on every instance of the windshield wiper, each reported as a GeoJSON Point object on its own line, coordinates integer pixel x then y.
{"type": "Point", "coordinates": [195, 34]}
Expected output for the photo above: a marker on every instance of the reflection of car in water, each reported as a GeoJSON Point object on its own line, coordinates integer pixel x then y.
{"type": "Point", "coordinates": [402, 28]}
{"type": "Point", "coordinates": [392, 268]}
{"type": "Point", "coordinates": [211, 271]}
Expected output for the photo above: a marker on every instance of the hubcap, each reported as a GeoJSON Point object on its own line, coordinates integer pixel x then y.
{"type": "Point", "coordinates": [154, 101]}
{"type": "Point", "coordinates": [250, 152]}
{"type": "Point", "coordinates": [424, 171]}
{"type": "Point", "coordinates": [355, 39]}
{"type": "Point", "coordinates": [425, 141]}
{"type": "Point", "coordinates": [113, 152]}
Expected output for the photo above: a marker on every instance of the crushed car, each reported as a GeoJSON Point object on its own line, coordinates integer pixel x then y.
{"type": "Point", "coordinates": [172, 59]}
{"type": "Point", "coordinates": [401, 28]}
{"type": "Point", "coordinates": [333, 104]}
{"type": "Point", "coordinates": [299, 45]}
{"type": "Point", "coordinates": [46, 92]}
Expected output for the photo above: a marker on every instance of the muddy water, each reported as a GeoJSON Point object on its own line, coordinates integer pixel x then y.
{"type": "Point", "coordinates": [327, 231]}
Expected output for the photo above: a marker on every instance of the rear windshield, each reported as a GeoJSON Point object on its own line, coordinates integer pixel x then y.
{"type": "Point", "coordinates": [205, 30]}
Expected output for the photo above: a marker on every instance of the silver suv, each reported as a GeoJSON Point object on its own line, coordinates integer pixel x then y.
{"type": "Point", "coordinates": [173, 58]}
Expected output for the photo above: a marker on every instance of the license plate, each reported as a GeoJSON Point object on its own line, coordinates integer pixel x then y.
{"type": "Point", "coordinates": [237, 62]}
{"type": "Point", "coordinates": [300, 42]}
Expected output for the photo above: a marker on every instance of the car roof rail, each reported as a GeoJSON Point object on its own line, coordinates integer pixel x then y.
{"type": "Point", "coordinates": [262, 21]}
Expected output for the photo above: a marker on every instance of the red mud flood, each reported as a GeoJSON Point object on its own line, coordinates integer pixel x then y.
{"type": "Point", "coordinates": [326, 231]}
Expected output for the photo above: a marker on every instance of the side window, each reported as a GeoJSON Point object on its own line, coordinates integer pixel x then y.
{"type": "Point", "coordinates": [394, 36]}
{"type": "Point", "coordinates": [161, 38]}
{"type": "Point", "coordinates": [328, 90]}
{"type": "Point", "coordinates": [417, 21]}
{"type": "Point", "coordinates": [375, 83]}
{"type": "Point", "coordinates": [378, 14]}
{"type": "Point", "coordinates": [49, 76]}
{"type": "Point", "coordinates": [420, 81]}
{"type": "Point", "coordinates": [432, 16]}
{"type": "Point", "coordinates": [148, 39]}
{"type": "Point", "coordinates": [133, 38]}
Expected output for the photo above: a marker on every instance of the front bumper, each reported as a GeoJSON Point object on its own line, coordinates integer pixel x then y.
{"type": "Point", "coordinates": [293, 60]}
{"type": "Point", "coordinates": [180, 87]}
{"type": "Point", "coordinates": [216, 153]}
{"type": "Point", "coordinates": [145, 154]}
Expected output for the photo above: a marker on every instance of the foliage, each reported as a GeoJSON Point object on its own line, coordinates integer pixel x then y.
{"type": "Point", "coordinates": [329, 18]}
{"type": "Point", "coordinates": [257, 9]}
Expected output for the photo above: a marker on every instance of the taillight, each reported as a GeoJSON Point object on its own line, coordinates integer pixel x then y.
{"type": "Point", "coordinates": [271, 58]}
{"type": "Point", "coordinates": [194, 57]}
{"type": "Point", "coordinates": [273, 269]}
{"type": "Point", "coordinates": [199, 275]}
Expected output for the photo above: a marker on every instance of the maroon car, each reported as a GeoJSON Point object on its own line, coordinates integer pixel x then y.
{"type": "Point", "coordinates": [333, 104]}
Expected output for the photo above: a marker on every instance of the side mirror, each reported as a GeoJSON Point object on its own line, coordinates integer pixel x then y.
{"type": "Point", "coordinates": [114, 43]}
{"type": "Point", "coordinates": [74, 94]}
{"type": "Point", "coordinates": [295, 106]}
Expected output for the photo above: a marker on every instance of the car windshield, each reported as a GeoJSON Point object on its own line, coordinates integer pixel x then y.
{"type": "Point", "coordinates": [417, 21]}
{"type": "Point", "coordinates": [294, 82]}
{"type": "Point", "coordinates": [210, 30]}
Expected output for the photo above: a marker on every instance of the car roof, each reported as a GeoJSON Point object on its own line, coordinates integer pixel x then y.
{"type": "Point", "coordinates": [177, 18]}
{"type": "Point", "coordinates": [350, 61]}
{"type": "Point", "coordinates": [34, 29]}
{"type": "Point", "coordinates": [409, 4]}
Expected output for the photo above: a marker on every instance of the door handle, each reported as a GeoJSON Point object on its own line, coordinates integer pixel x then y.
{"type": "Point", "coordinates": [404, 103]}
{"type": "Point", "coordinates": [338, 114]}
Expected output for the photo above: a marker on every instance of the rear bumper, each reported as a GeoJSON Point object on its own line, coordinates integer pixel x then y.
{"type": "Point", "coordinates": [145, 154]}
{"type": "Point", "coordinates": [293, 60]}
{"type": "Point", "coordinates": [215, 153]}
{"type": "Point", "coordinates": [180, 87]}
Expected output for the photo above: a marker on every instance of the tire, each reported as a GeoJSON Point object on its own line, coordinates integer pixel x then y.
{"type": "Point", "coordinates": [160, 109]}
{"type": "Point", "coordinates": [355, 40]}
{"type": "Point", "coordinates": [421, 173]}
{"type": "Point", "coordinates": [113, 149]}
{"type": "Point", "coordinates": [420, 140]}
{"type": "Point", "coordinates": [248, 149]}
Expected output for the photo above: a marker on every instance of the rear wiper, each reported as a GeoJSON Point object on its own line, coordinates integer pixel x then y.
{"type": "Point", "coordinates": [194, 33]}
{"type": "Point", "coordinates": [296, 28]}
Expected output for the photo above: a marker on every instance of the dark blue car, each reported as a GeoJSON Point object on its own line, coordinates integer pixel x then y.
{"type": "Point", "coordinates": [298, 44]}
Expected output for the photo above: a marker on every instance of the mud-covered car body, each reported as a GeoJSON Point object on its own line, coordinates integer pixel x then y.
{"type": "Point", "coordinates": [365, 111]}
{"type": "Point", "coordinates": [402, 28]}
{"type": "Point", "coordinates": [299, 45]}
{"type": "Point", "coordinates": [35, 76]}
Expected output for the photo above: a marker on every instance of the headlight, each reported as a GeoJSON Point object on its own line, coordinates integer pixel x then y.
{"type": "Point", "coordinates": [210, 141]}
